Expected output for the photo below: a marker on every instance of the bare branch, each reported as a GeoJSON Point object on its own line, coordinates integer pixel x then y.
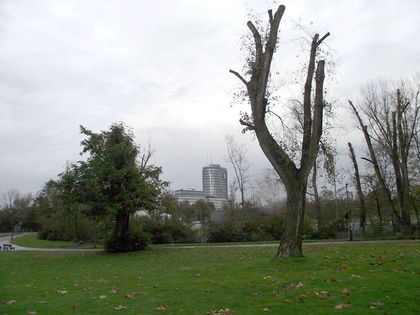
{"type": "Point", "coordinates": [366, 159]}
{"type": "Point", "coordinates": [257, 39]}
{"type": "Point", "coordinates": [270, 15]}
{"type": "Point", "coordinates": [322, 38]}
{"type": "Point", "coordinates": [239, 77]}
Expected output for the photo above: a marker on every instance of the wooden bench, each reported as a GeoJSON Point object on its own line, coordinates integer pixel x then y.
{"type": "Point", "coordinates": [8, 247]}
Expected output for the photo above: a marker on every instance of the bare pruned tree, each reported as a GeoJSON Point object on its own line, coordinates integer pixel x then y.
{"type": "Point", "coordinates": [237, 158]}
{"type": "Point", "coordinates": [389, 118]}
{"type": "Point", "coordinates": [359, 190]}
{"type": "Point", "coordinates": [8, 199]}
{"type": "Point", "coordinates": [293, 176]}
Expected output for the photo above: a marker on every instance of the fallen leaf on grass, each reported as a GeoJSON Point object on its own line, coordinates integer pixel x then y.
{"type": "Point", "coordinates": [162, 307]}
{"type": "Point", "coordinates": [265, 309]}
{"type": "Point", "coordinates": [31, 313]}
{"type": "Point", "coordinates": [356, 277]}
{"type": "Point", "coordinates": [10, 302]}
{"type": "Point", "coordinates": [398, 271]}
{"type": "Point", "coordinates": [376, 304]}
{"type": "Point", "coordinates": [219, 312]}
{"type": "Point", "coordinates": [130, 295]}
{"type": "Point", "coordinates": [322, 295]}
{"type": "Point", "coordinates": [256, 294]}
{"type": "Point", "coordinates": [102, 297]}
{"type": "Point", "coordinates": [119, 307]}
{"type": "Point", "coordinates": [62, 291]}
{"type": "Point", "coordinates": [294, 285]}
{"type": "Point", "coordinates": [42, 302]}
{"type": "Point", "coordinates": [342, 306]}
{"type": "Point", "coordinates": [113, 291]}
{"type": "Point", "coordinates": [346, 292]}
{"type": "Point", "coordinates": [275, 293]}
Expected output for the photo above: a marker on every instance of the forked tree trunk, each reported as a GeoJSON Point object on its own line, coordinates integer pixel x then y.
{"type": "Point", "coordinates": [291, 241]}
{"type": "Point", "coordinates": [294, 178]}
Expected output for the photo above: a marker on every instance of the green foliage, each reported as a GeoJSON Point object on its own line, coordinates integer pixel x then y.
{"type": "Point", "coordinates": [252, 228]}
{"type": "Point", "coordinates": [134, 239]}
{"type": "Point", "coordinates": [168, 231]}
{"type": "Point", "coordinates": [97, 197]}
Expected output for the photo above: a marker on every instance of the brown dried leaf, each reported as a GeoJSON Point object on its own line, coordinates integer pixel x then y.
{"type": "Point", "coordinates": [62, 291]}
{"type": "Point", "coordinates": [342, 306]}
{"type": "Point", "coordinates": [294, 285]}
{"type": "Point", "coordinates": [376, 304]}
{"type": "Point", "coordinates": [256, 294]}
{"type": "Point", "coordinates": [162, 307]}
{"type": "Point", "coordinates": [219, 312]}
{"type": "Point", "coordinates": [322, 295]}
{"type": "Point", "coordinates": [346, 292]}
{"type": "Point", "coordinates": [130, 295]}
{"type": "Point", "coordinates": [119, 307]}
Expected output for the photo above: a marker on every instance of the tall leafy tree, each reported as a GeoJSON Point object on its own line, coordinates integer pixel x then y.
{"type": "Point", "coordinates": [120, 179]}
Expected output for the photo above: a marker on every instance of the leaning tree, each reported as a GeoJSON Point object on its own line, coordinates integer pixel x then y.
{"type": "Point", "coordinates": [294, 174]}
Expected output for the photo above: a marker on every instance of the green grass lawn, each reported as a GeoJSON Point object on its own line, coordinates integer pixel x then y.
{"type": "Point", "coordinates": [32, 240]}
{"type": "Point", "coordinates": [379, 279]}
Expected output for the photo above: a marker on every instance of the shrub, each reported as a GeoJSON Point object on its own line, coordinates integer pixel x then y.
{"type": "Point", "coordinates": [134, 239]}
{"type": "Point", "coordinates": [168, 231]}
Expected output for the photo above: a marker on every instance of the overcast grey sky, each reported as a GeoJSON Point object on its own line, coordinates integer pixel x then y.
{"type": "Point", "coordinates": [162, 67]}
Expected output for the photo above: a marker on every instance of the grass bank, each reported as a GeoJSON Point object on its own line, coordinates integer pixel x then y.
{"type": "Point", "coordinates": [359, 278]}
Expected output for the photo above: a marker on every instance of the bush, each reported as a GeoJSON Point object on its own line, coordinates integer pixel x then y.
{"type": "Point", "coordinates": [134, 239]}
{"type": "Point", "coordinates": [168, 231]}
{"type": "Point", "coordinates": [250, 229]}
{"type": "Point", "coordinates": [225, 232]}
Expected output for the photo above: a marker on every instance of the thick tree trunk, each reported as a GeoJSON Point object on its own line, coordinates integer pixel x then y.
{"type": "Point", "coordinates": [122, 224]}
{"type": "Point", "coordinates": [291, 242]}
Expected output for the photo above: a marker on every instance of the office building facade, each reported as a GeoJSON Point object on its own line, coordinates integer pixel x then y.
{"type": "Point", "coordinates": [214, 178]}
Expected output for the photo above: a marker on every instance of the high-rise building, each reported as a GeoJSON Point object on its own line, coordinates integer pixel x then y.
{"type": "Point", "coordinates": [215, 184]}
{"type": "Point", "coordinates": [214, 188]}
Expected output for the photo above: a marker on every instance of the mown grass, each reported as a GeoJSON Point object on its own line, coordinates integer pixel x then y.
{"type": "Point", "coordinates": [382, 278]}
{"type": "Point", "coordinates": [32, 240]}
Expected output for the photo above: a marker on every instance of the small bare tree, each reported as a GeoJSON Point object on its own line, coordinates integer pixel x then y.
{"type": "Point", "coordinates": [362, 220]}
{"type": "Point", "coordinates": [237, 158]}
{"type": "Point", "coordinates": [8, 198]}
{"type": "Point", "coordinates": [293, 176]}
